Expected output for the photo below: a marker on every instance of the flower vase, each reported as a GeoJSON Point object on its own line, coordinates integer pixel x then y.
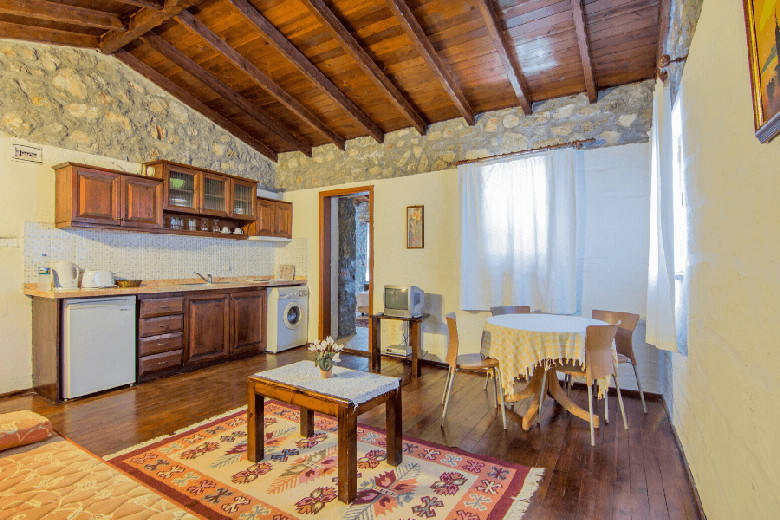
{"type": "Point", "coordinates": [326, 374]}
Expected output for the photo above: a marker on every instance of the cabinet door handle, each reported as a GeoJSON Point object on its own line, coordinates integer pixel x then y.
{"type": "Point", "coordinates": [160, 363]}
{"type": "Point", "coordinates": [161, 344]}
{"type": "Point", "coordinates": [164, 307]}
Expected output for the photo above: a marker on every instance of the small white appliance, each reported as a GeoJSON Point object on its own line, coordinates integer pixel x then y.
{"type": "Point", "coordinates": [65, 275]}
{"type": "Point", "coordinates": [98, 350]}
{"type": "Point", "coordinates": [288, 316]}
{"type": "Point", "coordinates": [95, 278]}
{"type": "Point", "coordinates": [403, 300]}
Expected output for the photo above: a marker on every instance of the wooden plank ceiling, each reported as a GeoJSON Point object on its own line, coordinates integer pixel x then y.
{"type": "Point", "coordinates": [288, 75]}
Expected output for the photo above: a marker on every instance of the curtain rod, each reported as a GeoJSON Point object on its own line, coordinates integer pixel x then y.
{"type": "Point", "coordinates": [575, 144]}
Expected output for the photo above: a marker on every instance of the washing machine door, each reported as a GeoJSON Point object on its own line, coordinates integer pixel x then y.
{"type": "Point", "coordinates": [292, 315]}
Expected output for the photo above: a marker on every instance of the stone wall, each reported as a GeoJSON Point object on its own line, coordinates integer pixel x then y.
{"type": "Point", "coordinates": [361, 245]}
{"type": "Point", "coordinates": [622, 115]}
{"type": "Point", "coordinates": [346, 271]}
{"type": "Point", "coordinates": [683, 18]}
{"type": "Point", "coordinates": [83, 100]}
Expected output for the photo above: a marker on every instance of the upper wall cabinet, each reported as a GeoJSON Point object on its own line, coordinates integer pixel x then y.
{"type": "Point", "coordinates": [92, 197]}
{"type": "Point", "coordinates": [274, 218]}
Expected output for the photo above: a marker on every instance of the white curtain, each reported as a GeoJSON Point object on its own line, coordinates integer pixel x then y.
{"type": "Point", "coordinates": [519, 233]}
{"type": "Point", "coordinates": [660, 277]}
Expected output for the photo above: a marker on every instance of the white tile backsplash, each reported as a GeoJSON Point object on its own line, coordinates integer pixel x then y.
{"type": "Point", "coordinates": [150, 256]}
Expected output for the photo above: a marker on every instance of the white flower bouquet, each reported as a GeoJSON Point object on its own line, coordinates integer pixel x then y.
{"type": "Point", "coordinates": [327, 353]}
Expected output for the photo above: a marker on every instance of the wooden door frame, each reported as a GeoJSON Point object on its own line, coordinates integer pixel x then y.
{"type": "Point", "coordinates": [325, 253]}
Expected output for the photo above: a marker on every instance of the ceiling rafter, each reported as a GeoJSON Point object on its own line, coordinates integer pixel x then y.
{"type": "Point", "coordinates": [367, 64]}
{"type": "Point", "coordinates": [141, 23]}
{"type": "Point", "coordinates": [188, 99]}
{"type": "Point", "coordinates": [187, 19]}
{"type": "Point", "coordinates": [17, 31]}
{"type": "Point", "coordinates": [414, 30]}
{"type": "Point", "coordinates": [586, 56]}
{"type": "Point", "coordinates": [56, 12]}
{"type": "Point", "coordinates": [273, 36]}
{"type": "Point", "coordinates": [152, 4]}
{"type": "Point", "coordinates": [503, 44]}
{"type": "Point", "coordinates": [190, 66]}
{"type": "Point", "coordinates": [664, 19]}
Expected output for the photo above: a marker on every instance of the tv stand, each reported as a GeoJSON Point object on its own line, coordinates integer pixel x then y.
{"type": "Point", "coordinates": [415, 341]}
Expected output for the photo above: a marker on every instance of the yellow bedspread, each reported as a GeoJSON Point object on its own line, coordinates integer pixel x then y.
{"type": "Point", "coordinates": [56, 479]}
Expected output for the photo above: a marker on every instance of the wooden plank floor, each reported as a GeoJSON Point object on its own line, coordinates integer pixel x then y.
{"type": "Point", "coordinates": [633, 474]}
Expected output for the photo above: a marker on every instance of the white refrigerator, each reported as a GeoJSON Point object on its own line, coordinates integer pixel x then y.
{"type": "Point", "coordinates": [98, 345]}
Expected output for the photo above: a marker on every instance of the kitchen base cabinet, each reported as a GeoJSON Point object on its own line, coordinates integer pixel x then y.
{"type": "Point", "coordinates": [207, 328]}
{"type": "Point", "coordinates": [160, 325]}
{"type": "Point", "coordinates": [247, 322]}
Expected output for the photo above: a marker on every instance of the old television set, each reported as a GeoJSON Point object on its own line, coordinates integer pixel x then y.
{"type": "Point", "coordinates": [403, 301]}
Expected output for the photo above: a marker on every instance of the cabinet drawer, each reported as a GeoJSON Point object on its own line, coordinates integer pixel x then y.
{"type": "Point", "coordinates": [163, 325]}
{"type": "Point", "coordinates": [157, 344]}
{"type": "Point", "coordinates": [153, 307]}
{"type": "Point", "coordinates": [157, 362]}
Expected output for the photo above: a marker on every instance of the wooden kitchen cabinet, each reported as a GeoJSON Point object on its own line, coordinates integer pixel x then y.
{"type": "Point", "coordinates": [247, 322]}
{"type": "Point", "coordinates": [160, 340]}
{"type": "Point", "coordinates": [283, 219]}
{"type": "Point", "coordinates": [274, 218]}
{"type": "Point", "coordinates": [266, 211]}
{"type": "Point", "coordinates": [94, 197]}
{"type": "Point", "coordinates": [207, 331]}
{"type": "Point", "coordinates": [242, 199]}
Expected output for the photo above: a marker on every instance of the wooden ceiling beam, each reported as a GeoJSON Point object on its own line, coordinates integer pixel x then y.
{"type": "Point", "coordinates": [503, 44]}
{"type": "Point", "coordinates": [586, 56]}
{"type": "Point", "coordinates": [173, 54]}
{"type": "Point", "coordinates": [420, 40]}
{"type": "Point", "coordinates": [30, 33]}
{"type": "Point", "coordinates": [56, 12]}
{"type": "Point", "coordinates": [188, 99]}
{"type": "Point", "coordinates": [367, 64]}
{"type": "Point", "coordinates": [664, 19]}
{"type": "Point", "coordinates": [187, 19]}
{"type": "Point", "coordinates": [272, 35]}
{"type": "Point", "coordinates": [141, 23]}
{"type": "Point", "coordinates": [151, 4]}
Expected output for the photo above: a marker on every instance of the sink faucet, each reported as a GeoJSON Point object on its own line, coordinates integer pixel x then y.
{"type": "Point", "coordinates": [207, 280]}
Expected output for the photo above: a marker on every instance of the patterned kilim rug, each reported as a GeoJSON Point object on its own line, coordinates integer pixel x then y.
{"type": "Point", "coordinates": [204, 468]}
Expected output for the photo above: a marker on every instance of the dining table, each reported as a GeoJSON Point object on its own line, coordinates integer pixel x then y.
{"type": "Point", "coordinates": [532, 344]}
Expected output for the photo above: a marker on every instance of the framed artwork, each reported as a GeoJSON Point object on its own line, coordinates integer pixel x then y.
{"type": "Point", "coordinates": [763, 35]}
{"type": "Point", "coordinates": [415, 227]}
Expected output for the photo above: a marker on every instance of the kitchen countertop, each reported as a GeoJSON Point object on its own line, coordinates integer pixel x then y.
{"type": "Point", "coordinates": [163, 286]}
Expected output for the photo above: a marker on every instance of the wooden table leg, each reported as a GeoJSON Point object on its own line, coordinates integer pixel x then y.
{"type": "Point", "coordinates": [531, 388]}
{"type": "Point", "coordinates": [375, 357]}
{"type": "Point", "coordinates": [347, 458]}
{"type": "Point", "coordinates": [415, 338]}
{"type": "Point", "coordinates": [559, 395]}
{"type": "Point", "coordinates": [393, 429]}
{"type": "Point", "coordinates": [536, 386]}
{"type": "Point", "coordinates": [255, 449]}
{"type": "Point", "coordinates": [307, 422]}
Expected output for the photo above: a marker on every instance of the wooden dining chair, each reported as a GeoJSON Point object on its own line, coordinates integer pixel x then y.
{"type": "Point", "coordinates": [623, 340]}
{"type": "Point", "coordinates": [598, 363]}
{"type": "Point", "coordinates": [510, 309]}
{"type": "Point", "coordinates": [471, 362]}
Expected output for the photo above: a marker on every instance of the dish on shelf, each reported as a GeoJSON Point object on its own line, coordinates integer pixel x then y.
{"type": "Point", "coordinates": [128, 283]}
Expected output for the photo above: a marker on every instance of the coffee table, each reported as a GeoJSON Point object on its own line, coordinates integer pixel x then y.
{"type": "Point", "coordinates": [346, 395]}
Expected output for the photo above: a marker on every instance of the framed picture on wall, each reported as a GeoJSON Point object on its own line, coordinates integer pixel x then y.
{"type": "Point", "coordinates": [415, 227]}
{"type": "Point", "coordinates": [763, 35]}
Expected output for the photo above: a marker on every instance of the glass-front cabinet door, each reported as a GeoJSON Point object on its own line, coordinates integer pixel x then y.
{"type": "Point", "coordinates": [243, 199]}
{"type": "Point", "coordinates": [182, 189]}
{"type": "Point", "coordinates": [214, 195]}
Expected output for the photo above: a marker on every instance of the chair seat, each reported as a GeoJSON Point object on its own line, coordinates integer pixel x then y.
{"type": "Point", "coordinates": [475, 362]}
{"type": "Point", "coordinates": [623, 359]}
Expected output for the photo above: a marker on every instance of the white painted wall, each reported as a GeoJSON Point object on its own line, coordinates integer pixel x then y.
{"type": "Point", "coordinates": [615, 264]}
{"type": "Point", "coordinates": [723, 394]}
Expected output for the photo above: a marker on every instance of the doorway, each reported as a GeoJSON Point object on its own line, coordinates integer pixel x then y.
{"type": "Point", "coordinates": [347, 266]}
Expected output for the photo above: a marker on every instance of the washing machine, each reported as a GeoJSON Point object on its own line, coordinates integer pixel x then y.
{"type": "Point", "coordinates": [288, 317]}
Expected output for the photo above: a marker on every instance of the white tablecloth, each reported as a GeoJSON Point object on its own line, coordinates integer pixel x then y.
{"type": "Point", "coordinates": [355, 385]}
{"type": "Point", "coordinates": [521, 342]}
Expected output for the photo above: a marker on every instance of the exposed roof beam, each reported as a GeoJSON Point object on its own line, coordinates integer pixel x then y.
{"type": "Point", "coordinates": [664, 14]}
{"type": "Point", "coordinates": [53, 11]}
{"type": "Point", "coordinates": [412, 28]}
{"type": "Point", "coordinates": [196, 26]}
{"type": "Point", "coordinates": [193, 102]}
{"type": "Point", "coordinates": [329, 19]}
{"type": "Point", "coordinates": [152, 4]}
{"type": "Point", "coordinates": [502, 43]}
{"type": "Point", "coordinates": [141, 23]}
{"type": "Point", "coordinates": [215, 84]}
{"type": "Point", "coordinates": [17, 31]}
{"type": "Point", "coordinates": [286, 48]}
{"type": "Point", "coordinates": [583, 39]}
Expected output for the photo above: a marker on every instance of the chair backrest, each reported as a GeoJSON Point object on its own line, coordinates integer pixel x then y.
{"type": "Point", "coordinates": [598, 350]}
{"type": "Point", "coordinates": [452, 348]}
{"type": "Point", "coordinates": [627, 323]}
{"type": "Point", "coordinates": [510, 309]}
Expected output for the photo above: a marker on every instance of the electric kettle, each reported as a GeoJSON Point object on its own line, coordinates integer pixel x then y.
{"type": "Point", "coordinates": [65, 275]}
